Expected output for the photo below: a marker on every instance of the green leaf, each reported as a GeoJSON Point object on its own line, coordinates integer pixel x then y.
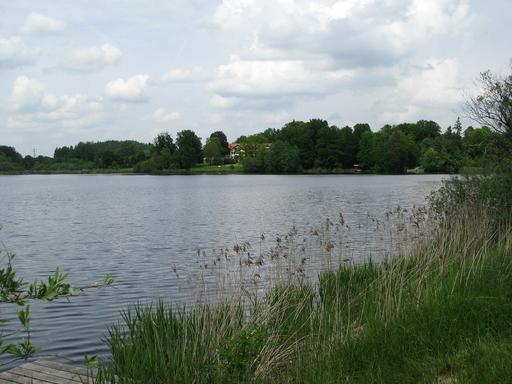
{"type": "Point", "coordinates": [24, 317]}
{"type": "Point", "coordinates": [108, 280]}
{"type": "Point", "coordinates": [90, 361]}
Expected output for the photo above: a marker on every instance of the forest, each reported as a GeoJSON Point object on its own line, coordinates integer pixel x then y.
{"type": "Point", "coordinates": [298, 147]}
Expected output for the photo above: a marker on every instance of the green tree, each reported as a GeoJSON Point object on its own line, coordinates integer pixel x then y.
{"type": "Point", "coordinates": [329, 148]}
{"type": "Point", "coordinates": [62, 154]}
{"type": "Point", "coordinates": [255, 163]}
{"type": "Point", "coordinates": [394, 151]}
{"type": "Point", "coordinates": [282, 157]}
{"type": "Point", "coordinates": [189, 149]}
{"type": "Point", "coordinates": [253, 143]}
{"type": "Point", "coordinates": [348, 147]}
{"type": "Point", "coordinates": [223, 140]}
{"type": "Point", "coordinates": [398, 156]}
{"type": "Point", "coordinates": [163, 142]}
{"type": "Point", "coordinates": [303, 136]}
{"type": "Point", "coordinates": [458, 127]}
{"type": "Point", "coordinates": [433, 160]}
{"type": "Point", "coordinates": [213, 150]}
{"type": "Point", "coordinates": [366, 149]}
{"type": "Point", "coordinates": [478, 143]}
{"type": "Point", "coordinates": [10, 160]}
{"type": "Point", "coordinates": [85, 151]}
{"type": "Point", "coordinates": [421, 130]}
{"type": "Point", "coordinates": [10, 154]}
{"type": "Point", "coordinates": [164, 153]}
{"type": "Point", "coordinates": [359, 129]}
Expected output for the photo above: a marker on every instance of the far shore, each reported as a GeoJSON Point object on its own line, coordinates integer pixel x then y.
{"type": "Point", "coordinates": [202, 172]}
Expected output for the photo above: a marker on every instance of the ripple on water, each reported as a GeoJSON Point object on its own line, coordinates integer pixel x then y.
{"type": "Point", "coordinates": [139, 228]}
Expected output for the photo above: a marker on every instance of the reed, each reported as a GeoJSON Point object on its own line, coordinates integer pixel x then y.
{"type": "Point", "coordinates": [439, 310]}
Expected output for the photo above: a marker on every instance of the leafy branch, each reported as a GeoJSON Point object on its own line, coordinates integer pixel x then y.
{"type": "Point", "coordinates": [15, 290]}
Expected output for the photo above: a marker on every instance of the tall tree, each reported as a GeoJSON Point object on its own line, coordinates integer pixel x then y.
{"type": "Point", "coordinates": [189, 149]}
{"type": "Point", "coordinates": [359, 129]}
{"type": "Point", "coordinates": [329, 148]}
{"type": "Point", "coordinates": [163, 142]}
{"type": "Point", "coordinates": [213, 150]}
{"type": "Point", "coordinates": [223, 140]}
{"type": "Point", "coordinates": [164, 151]}
{"type": "Point", "coordinates": [493, 107]}
{"type": "Point", "coordinates": [282, 157]}
{"type": "Point", "coordinates": [401, 152]}
{"type": "Point", "coordinates": [365, 152]}
{"type": "Point", "coordinates": [348, 148]}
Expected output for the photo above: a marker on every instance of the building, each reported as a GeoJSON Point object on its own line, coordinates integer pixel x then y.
{"type": "Point", "coordinates": [236, 151]}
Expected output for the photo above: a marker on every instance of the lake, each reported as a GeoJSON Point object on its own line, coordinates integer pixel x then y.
{"type": "Point", "coordinates": [147, 232]}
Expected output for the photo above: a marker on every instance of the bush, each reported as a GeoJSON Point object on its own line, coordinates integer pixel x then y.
{"type": "Point", "coordinates": [146, 166]}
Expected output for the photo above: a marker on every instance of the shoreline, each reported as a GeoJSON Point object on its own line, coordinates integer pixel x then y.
{"type": "Point", "coordinates": [209, 172]}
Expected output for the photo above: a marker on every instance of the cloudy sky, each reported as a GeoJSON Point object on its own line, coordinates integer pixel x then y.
{"type": "Point", "coordinates": [128, 69]}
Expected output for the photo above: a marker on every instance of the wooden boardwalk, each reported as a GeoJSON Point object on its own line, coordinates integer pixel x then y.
{"type": "Point", "coordinates": [46, 372]}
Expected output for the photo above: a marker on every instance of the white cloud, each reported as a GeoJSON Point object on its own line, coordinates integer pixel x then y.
{"type": "Point", "coordinates": [352, 33]}
{"type": "Point", "coordinates": [426, 91]}
{"type": "Point", "coordinates": [27, 94]}
{"type": "Point", "coordinates": [37, 23]}
{"type": "Point", "coordinates": [93, 58]}
{"type": "Point", "coordinates": [14, 53]}
{"type": "Point", "coordinates": [275, 77]}
{"type": "Point", "coordinates": [302, 48]}
{"type": "Point", "coordinates": [436, 84]}
{"type": "Point", "coordinates": [195, 73]}
{"type": "Point", "coordinates": [283, 15]}
{"type": "Point", "coordinates": [132, 89]}
{"type": "Point", "coordinates": [34, 107]}
{"type": "Point", "coordinates": [162, 116]}
{"type": "Point", "coordinates": [223, 102]}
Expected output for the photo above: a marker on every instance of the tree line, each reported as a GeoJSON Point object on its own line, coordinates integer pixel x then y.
{"type": "Point", "coordinates": [312, 146]}
{"type": "Point", "coordinates": [300, 146]}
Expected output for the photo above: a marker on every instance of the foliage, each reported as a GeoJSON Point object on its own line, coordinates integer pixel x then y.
{"type": "Point", "coordinates": [439, 313]}
{"type": "Point", "coordinates": [320, 147]}
{"type": "Point", "coordinates": [493, 107]}
{"type": "Point", "coordinates": [213, 151]}
{"type": "Point", "coordinates": [189, 149]}
{"type": "Point", "coordinates": [334, 147]}
{"type": "Point", "coordinates": [106, 154]}
{"type": "Point", "coordinates": [281, 158]}
{"type": "Point", "coordinates": [223, 141]}
{"type": "Point", "coordinates": [255, 162]}
{"type": "Point", "coordinates": [278, 157]}
{"type": "Point", "coordinates": [15, 290]}
{"type": "Point", "coordinates": [10, 160]}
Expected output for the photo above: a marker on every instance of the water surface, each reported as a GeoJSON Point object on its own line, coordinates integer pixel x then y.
{"type": "Point", "coordinates": [137, 228]}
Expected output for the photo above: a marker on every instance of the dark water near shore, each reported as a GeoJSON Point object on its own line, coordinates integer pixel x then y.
{"type": "Point", "coordinates": [137, 227]}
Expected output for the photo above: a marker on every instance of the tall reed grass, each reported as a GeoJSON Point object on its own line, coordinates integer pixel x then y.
{"type": "Point", "coordinates": [438, 311]}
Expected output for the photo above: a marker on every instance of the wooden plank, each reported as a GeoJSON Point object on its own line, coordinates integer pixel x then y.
{"type": "Point", "coordinates": [63, 367]}
{"type": "Point", "coordinates": [46, 372]}
{"type": "Point", "coordinates": [22, 371]}
{"type": "Point", "coordinates": [15, 378]}
{"type": "Point", "coordinates": [5, 381]}
{"type": "Point", "coordinates": [65, 375]}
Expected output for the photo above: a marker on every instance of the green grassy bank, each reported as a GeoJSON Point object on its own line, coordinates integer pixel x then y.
{"type": "Point", "coordinates": [440, 312]}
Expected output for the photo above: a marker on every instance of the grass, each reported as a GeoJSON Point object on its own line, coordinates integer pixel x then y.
{"type": "Point", "coordinates": [224, 168]}
{"type": "Point", "coordinates": [440, 312]}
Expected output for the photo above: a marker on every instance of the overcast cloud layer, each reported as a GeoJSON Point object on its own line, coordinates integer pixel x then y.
{"type": "Point", "coordinates": [128, 69]}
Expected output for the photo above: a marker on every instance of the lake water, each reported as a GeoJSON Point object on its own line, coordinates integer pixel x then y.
{"type": "Point", "coordinates": [140, 228]}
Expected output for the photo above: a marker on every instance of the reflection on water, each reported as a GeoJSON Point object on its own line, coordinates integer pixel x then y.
{"type": "Point", "coordinates": [146, 231]}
